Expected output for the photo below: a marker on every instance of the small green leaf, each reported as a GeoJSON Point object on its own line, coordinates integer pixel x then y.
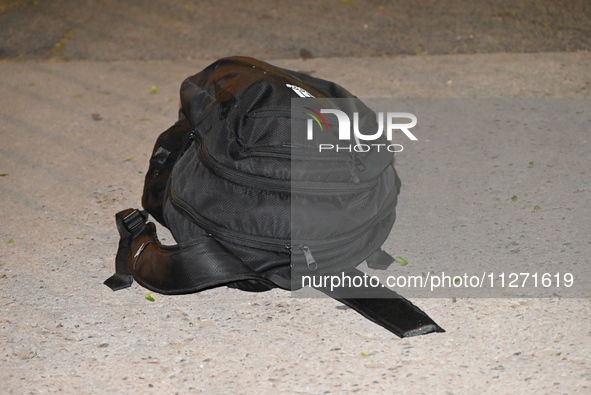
{"type": "Point", "coordinates": [150, 298]}
{"type": "Point", "coordinates": [363, 353]}
{"type": "Point", "coordinates": [537, 207]}
{"type": "Point", "coordinates": [153, 89]}
{"type": "Point", "coordinates": [4, 175]}
{"type": "Point", "coordinates": [401, 261]}
{"type": "Point", "coordinates": [10, 241]}
{"type": "Point", "coordinates": [128, 159]}
{"type": "Point", "coordinates": [514, 198]}
{"type": "Point", "coordinates": [531, 163]}
{"type": "Point", "coordinates": [457, 281]}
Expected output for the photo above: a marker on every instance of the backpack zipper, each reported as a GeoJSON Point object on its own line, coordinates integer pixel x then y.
{"type": "Point", "coordinates": [282, 186]}
{"type": "Point", "coordinates": [286, 112]}
{"type": "Point", "coordinates": [269, 243]}
{"type": "Point", "coordinates": [261, 242]}
{"type": "Point", "coordinates": [266, 243]}
{"type": "Point", "coordinates": [288, 152]}
{"type": "Point", "coordinates": [291, 152]}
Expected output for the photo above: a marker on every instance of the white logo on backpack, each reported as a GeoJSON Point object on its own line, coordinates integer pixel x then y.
{"type": "Point", "coordinates": [301, 92]}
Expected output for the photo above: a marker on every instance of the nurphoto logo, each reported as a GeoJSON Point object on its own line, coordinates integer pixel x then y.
{"type": "Point", "coordinates": [392, 123]}
{"type": "Point", "coordinates": [344, 131]}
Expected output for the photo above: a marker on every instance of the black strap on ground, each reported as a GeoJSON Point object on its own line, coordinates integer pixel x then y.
{"type": "Point", "coordinates": [384, 307]}
{"type": "Point", "coordinates": [204, 263]}
{"type": "Point", "coordinates": [130, 224]}
{"type": "Point", "coordinates": [179, 269]}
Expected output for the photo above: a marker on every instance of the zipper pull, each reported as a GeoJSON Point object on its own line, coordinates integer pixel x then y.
{"type": "Point", "coordinates": [358, 163]}
{"type": "Point", "coordinates": [310, 261]}
{"type": "Point", "coordinates": [192, 137]}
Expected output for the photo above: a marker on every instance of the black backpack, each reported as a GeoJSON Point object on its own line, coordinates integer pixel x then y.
{"type": "Point", "coordinates": [254, 206]}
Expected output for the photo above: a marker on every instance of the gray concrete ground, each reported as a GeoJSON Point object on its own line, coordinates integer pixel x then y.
{"type": "Point", "coordinates": [75, 138]}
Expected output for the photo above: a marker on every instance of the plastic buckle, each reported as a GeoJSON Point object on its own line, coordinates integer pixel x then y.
{"type": "Point", "coordinates": [133, 221]}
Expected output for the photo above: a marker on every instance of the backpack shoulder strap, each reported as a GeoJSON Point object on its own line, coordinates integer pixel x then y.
{"type": "Point", "coordinates": [179, 269]}
{"type": "Point", "coordinates": [204, 263]}
{"type": "Point", "coordinates": [168, 148]}
{"type": "Point", "coordinates": [384, 307]}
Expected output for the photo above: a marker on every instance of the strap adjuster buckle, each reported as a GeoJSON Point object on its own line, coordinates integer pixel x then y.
{"type": "Point", "coordinates": [133, 220]}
